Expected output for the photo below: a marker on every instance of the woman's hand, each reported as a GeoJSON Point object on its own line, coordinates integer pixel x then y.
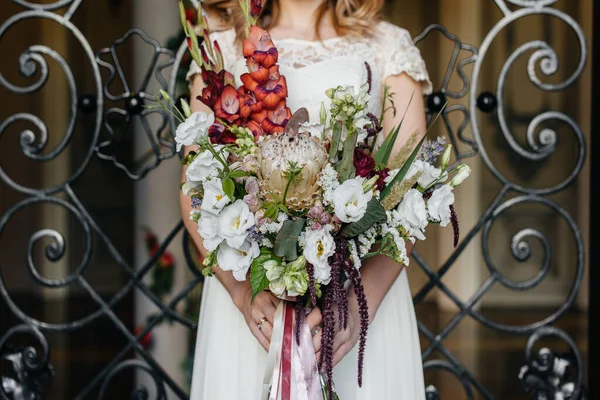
{"type": "Point", "coordinates": [263, 306]}
{"type": "Point", "coordinates": [344, 339]}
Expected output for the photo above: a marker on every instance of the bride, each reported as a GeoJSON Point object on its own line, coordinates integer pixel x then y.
{"type": "Point", "coordinates": [321, 44]}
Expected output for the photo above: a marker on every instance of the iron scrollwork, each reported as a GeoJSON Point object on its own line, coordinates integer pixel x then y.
{"type": "Point", "coordinates": [548, 374]}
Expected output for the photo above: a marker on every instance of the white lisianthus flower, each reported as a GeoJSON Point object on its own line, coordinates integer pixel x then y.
{"type": "Point", "coordinates": [208, 228]}
{"type": "Point", "coordinates": [439, 204]}
{"type": "Point", "coordinates": [318, 247]}
{"type": "Point", "coordinates": [214, 197]}
{"type": "Point", "coordinates": [274, 275]}
{"type": "Point", "coordinates": [413, 213]}
{"type": "Point", "coordinates": [350, 201]}
{"type": "Point", "coordinates": [204, 166]}
{"type": "Point", "coordinates": [189, 187]}
{"type": "Point", "coordinates": [234, 222]}
{"type": "Point", "coordinates": [430, 173]}
{"type": "Point", "coordinates": [238, 260]}
{"type": "Point", "coordinates": [315, 130]}
{"type": "Point", "coordinates": [193, 128]}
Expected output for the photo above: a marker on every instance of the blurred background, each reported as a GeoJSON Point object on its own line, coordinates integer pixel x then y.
{"type": "Point", "coordinates": [91, 246]}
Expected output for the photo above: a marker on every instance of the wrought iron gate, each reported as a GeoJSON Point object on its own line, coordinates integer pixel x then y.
{"type": "Point", "coordinates": [543, 375]}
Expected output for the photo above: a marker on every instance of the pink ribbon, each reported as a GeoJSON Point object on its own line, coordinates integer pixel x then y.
{"type": "Point", "coordinates": [291, 372]}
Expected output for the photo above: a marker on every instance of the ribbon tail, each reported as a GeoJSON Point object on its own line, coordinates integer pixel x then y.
{"type": "Point", "coordinates": [273, 368]}
{"type": "Point", "coordinates": [308, 383]}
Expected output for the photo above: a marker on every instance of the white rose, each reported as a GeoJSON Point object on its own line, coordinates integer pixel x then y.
{"type": "Point", "coordinates": [214, 197]}
{"type": "Point", "coordinates": [234, 222]}
{"type": "Point", "coordinates": [238, 260]}
{"type": "Point", "coordinates": [319, 246]}
{"type": "Point", "coordinates": [439, 204]}
{"type": "Point", "coordinates": [204, 166]}
{"type": "Point", "coordinates": [315, 130]}
{"type": "Point", "coordinates": [350, 201]}
{"type": "Point", "coordinates": [193, 128]}
{"type": "Point", "coordinates": [208, 228]}
{"type": "Point", "coordinates": [413, 213]}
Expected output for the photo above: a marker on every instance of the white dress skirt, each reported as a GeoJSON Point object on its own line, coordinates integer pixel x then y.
{"type": "Point", "coordinates": [229, 362]}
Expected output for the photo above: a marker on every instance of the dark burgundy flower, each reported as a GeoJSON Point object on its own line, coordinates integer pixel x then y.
{"type": "Point", "coordinates": [364, 164]}
{"type": "Point", "coordinates": [384, 173]}
{"type": "Point", "coordinates": [219, 135]}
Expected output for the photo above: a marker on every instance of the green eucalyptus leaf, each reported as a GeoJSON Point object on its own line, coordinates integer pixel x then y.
{"type": "Point", "coordinates": [375, 215]}
{"type": "Point", "coordinates": [286, 241]}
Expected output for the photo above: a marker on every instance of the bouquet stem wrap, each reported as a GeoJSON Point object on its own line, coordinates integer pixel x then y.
{"type": "Point", "coordinates": [291, 372]}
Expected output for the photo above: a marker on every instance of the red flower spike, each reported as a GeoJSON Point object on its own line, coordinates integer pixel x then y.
{"type": "Point", "coordinates": [272, 93]}
{"type": "Point", "coordinates": [260, 116]}
{"type": "Point", "coordinates": [249, 83]}
{"type": "Point", "coordinates": [277, 119]}
{"type": "Point", "coordinates": [190, 15]}
{"type": "Point", "coordinates": [248, 104]}
{"type": "Point", "coordinates": [260, 46]}
{"type": "Point", "coordinates": [227, 107]}
{"type": "Point", "coordinates": [255, 128]}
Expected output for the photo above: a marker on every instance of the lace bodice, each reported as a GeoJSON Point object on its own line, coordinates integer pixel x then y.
{"type": "Point", "coordinates": [311, 67]}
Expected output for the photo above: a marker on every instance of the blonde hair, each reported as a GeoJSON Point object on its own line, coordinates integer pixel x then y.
{"type": "Point", "coordinates": [349, 16]}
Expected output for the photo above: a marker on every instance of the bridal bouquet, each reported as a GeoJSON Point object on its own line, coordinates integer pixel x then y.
{"type": "Point", "coordinates": [296, 206]}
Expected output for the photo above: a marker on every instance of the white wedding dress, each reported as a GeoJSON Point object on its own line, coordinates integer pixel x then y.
{"type": "Point", "coordinates": [229, 362]}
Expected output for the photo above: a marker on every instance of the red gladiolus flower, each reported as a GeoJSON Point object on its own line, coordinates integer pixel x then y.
{"type": "Point", "coordinates": [227, 107]}
{"type": "Point", "coordinates": [219, 135]}
{"type": "Point", "coordinates": [248, 103]}
{"type": "Point", "coordinates": [166, 260]}
{"type": "Point", "coordinates": [190, 15]}
{"type": "Point", "coordinates": [146, 340]}
{"type": "Point", "coordinates": [364, 164]}
{"type": "Point", "coordinates": [260, 46]}
{"type": "Point", "coordinates": [277, 119]}
{"type": "Point", "coordinates": [259, 116]}
{"type": "Point", "coordinates": [256, 7]}
{"type": "Point", "coordinates": [274, 90]}
{"type": "Point", "coordinates": [255, 128]}
{"type": "Point", "coordinates": [214, 86]}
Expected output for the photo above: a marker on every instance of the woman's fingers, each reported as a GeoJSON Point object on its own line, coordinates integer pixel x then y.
{"type": "Point", "coordinates": [267, 330]}
{"type": "Point", "coordinates": [317, 342]}
{"type": "Point", "coordinates": [260, 337]}
{"type": "Point", "coordinates": [314, 319]}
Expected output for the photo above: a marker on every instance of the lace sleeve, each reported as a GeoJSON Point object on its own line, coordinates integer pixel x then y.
{"type": "Point", "coordinates": [401, 55]}
{"type": "Point", "coordinates": [226, 40]}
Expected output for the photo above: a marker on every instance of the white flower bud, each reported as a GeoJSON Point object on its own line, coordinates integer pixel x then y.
{"type": "Point", "coordinates": [446, 157]}
{"type": "Point", "coordinates": [462, 172]}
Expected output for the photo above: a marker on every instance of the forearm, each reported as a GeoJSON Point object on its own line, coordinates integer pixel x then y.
{"type": "Point", "coordinates": [378, 274]}
{"type": "Point", "coordinates": [236, 289]}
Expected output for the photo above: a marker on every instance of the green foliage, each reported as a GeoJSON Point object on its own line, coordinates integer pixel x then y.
{"type": "Point", "coordinates": [286, 242]}
{"type": "Point", "coordinates": [375, 215]}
